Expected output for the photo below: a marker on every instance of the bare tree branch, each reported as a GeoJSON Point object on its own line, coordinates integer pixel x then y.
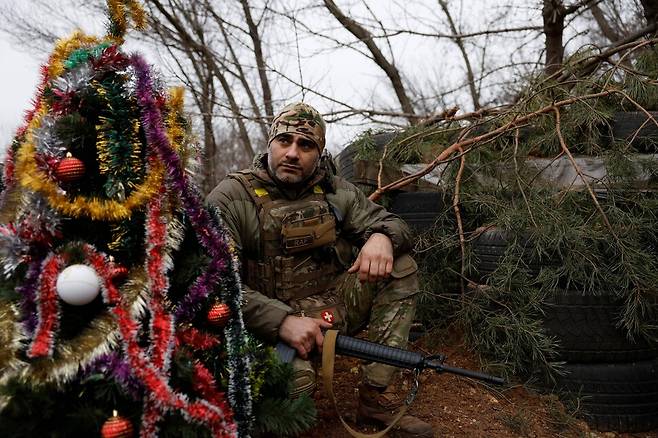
{"type": "Point", "coordinates": [210, 59]}
{"type": "Point", "coordinates": [607, 30]}
{"type": "Point", "coordinates": [241, 76]}
{"type": "Point", "coordinates": [481, 140]}
{"type": "Point", "coordinates": [391, 71]}
{"type": "Point", "coordinates": [460, 43]}
{"type": "Point", "coordinates": [260, 60]}
{"type": "Point", "coordinates": [454, 36]}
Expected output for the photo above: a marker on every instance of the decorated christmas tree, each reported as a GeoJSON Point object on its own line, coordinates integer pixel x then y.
{"type": "Point", "coordinates": [119, 293]}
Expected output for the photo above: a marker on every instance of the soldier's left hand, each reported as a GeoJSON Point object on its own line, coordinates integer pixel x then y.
{"type": "Point", "coordinates": [375, 260]}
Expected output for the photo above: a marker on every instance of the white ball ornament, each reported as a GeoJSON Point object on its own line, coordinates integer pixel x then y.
{"type": "Point", "coordinates": [78, 285]}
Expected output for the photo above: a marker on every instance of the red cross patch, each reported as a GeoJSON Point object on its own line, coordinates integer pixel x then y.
{"type": "Point", "coordinates": [328, 316]}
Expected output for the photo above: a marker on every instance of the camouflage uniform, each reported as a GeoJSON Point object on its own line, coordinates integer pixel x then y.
{"type": "Point", "coordinates": [386, 307]}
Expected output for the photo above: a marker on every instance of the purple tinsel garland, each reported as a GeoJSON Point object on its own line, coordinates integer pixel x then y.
{"type": "Point", "coordinates": [208, 236]}
{"type": "Point", "coordinates": [112, 364]}
{"type": "Point", "coordinates": [211, 238]}
{"type": "Point", "coordinates": [28, 291]}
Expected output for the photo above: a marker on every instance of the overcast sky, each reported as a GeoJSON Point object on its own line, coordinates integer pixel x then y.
{"type": "Point", "coordinates": [340, 73]}
{"type": "Point", "coordinates": [18, 79]}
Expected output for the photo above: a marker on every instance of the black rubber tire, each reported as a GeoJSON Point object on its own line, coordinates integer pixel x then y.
{"type": "Point", "coordinates": [489, 248]}
{"type": "Point", "coordinates": [586, 329]}
{"type": "Point", "coordinates": [620, 397]}
{"type": "Point", "coordinates": [345, 162]}
{"type": "Point", "coordinates": [420, 210]}
{"type": "Point", "coordinates": [345, 159]}
{"type": "Point", "coordinates": [625, 125]}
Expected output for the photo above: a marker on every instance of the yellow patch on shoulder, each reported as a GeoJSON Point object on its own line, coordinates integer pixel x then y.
{"type": "Point", "coordinates": [317, 189]}
{"type": "Point", "coordinates": [260, 192]}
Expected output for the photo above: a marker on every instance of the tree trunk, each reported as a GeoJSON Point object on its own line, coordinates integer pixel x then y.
{"type": "Point", "coordinates": [608, 31]}
{"type": "Point", "coordinates": [205, 52]}
{"type": "Point", "coordinates": [475, 96]}
{"type": "Point", "coordinates": [260, 59]}
{"type": "Point", "coordinates": [650, 10]}
{"type": "Point", "coordinates": [242, 77]}
{"type": "Point", "coordinates": [553, 13]}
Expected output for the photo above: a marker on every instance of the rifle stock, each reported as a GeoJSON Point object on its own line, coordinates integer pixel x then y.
{"type": "Point", "coordinates": [397, 357]}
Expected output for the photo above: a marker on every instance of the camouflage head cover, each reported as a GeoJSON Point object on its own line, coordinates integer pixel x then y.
{"type": "Point", "coordinates": [299, 118]}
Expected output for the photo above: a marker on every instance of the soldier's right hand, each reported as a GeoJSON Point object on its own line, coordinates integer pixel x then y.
{"type": "Point", "coordinates": [303, 333]}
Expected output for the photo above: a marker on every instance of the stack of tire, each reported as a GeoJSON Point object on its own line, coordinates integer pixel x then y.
{"type": "Point", "coordinates": [419, 209]}
{"type": "Point", "coordinates": [346, 158]}
{"type": "Point", "coordinates": [614, 378]}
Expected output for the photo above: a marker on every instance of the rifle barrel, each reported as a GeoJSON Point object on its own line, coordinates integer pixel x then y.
{"type": "Point", "coordinates": [467, 373]}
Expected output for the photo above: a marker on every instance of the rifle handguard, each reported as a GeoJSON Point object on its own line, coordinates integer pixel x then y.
{"type": "Point", "coordinates": [374, 352]}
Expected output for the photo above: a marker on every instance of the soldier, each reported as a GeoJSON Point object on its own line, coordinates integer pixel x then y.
{"type": "Point", "coordinates": [296, 224]}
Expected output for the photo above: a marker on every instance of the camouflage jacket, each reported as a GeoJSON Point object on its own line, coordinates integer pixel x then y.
{"type": "Point", "coordinates": [358, 219]}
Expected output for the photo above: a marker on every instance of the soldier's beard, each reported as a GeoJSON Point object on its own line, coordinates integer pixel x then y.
{"type": "Point", "coordinates": [287, 178]}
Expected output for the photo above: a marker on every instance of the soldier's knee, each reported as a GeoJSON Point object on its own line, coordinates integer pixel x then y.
{"type": "Point", "coordinates": [304, 378]}
{"type": "Point", "coordinates": [403, 266]}
{"type": "Point", "coordinates": [404, 277]}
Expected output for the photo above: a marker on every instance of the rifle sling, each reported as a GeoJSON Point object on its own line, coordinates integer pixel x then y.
{"type": "Point", "coordinates": [328, 356]}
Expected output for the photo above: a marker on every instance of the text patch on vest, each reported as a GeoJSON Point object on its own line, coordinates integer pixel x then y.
{"type": "Point", "coordinates": [312, 226]}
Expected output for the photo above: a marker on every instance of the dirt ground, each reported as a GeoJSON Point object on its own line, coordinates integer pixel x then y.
{"type": "Point", "coordinates": [460, 407]}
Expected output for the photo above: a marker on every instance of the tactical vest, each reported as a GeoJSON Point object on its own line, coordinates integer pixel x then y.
{"type": "Point", "coordinates": [298, 244]}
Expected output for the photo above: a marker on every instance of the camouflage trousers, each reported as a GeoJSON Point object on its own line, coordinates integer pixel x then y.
{"type": "Point", "coordinates": [385, 308]}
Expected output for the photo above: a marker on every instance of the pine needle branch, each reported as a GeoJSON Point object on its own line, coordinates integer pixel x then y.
{"type": "Point", "coordinates": [566, 150]}
{"type": "Point", "coordinates": [460, 226]}
{"type": "Point", "coordinates": [463, 144]}
{"type": "Point", "coordinates": [518, 178]}
{"type": "Point", "coordinates": [639, 107]}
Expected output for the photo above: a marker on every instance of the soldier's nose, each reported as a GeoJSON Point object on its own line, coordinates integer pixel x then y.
{"type": "Point", "coordinates": [293, 152]}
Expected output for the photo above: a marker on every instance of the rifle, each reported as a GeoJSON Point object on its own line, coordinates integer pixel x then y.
{"type": "Point", "coordinates": [374, 352]}
{"type": "Point", "coordinates": [397, 357]}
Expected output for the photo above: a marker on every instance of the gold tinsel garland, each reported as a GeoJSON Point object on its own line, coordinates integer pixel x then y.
{"type": "Point", "coordinates": [96, 339]}
{"type": "Point", "coordinates": [63, 50]}
{"type": "Point", "coordinates": [119, 11]}
{"type": "Point", "coordinates": [175, 131]}
{"type": "Point", "coordinates": [102, 145]}
{"type": "Point", "coordinates": [31, 177]}
{"type": "Point", "coordinates": [9, 335]}
{"type": "Point", "coordinates": [102, 333]}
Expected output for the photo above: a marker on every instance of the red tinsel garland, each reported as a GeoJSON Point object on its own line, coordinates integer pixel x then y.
{"type": "Point", "coordinates": [151, 416]}
{"type": "Point", "coordinates": [215, 414]}
{"type": "Point", "coordinates": [8, 171]}
{"type": "Point", "coordinates": [204, 384]}
{"type": "Point", "coordinates": [162, 324]}
{"type": "Point", "coordinates": [62, 105]}
{"type": "Point", "coordinates": [151, 368]}
{"type": "Point", "coordinates": [110, 60]}
{"type": "Point", "coordinates": [217, 417]}
{"type": "Point", "coordinates": [196, 339]}
{"type": "Point", "coordinates": [47, 308]}
{"type": "Point", "coordinates": [38, 101]}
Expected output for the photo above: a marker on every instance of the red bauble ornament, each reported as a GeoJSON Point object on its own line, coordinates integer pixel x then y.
{"type": "Point", "coordinates": [70, 169]}
{"type": "Point", "coordinates": [117, 427]}
{"type": "Point", "coordinates": [219, 314]}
